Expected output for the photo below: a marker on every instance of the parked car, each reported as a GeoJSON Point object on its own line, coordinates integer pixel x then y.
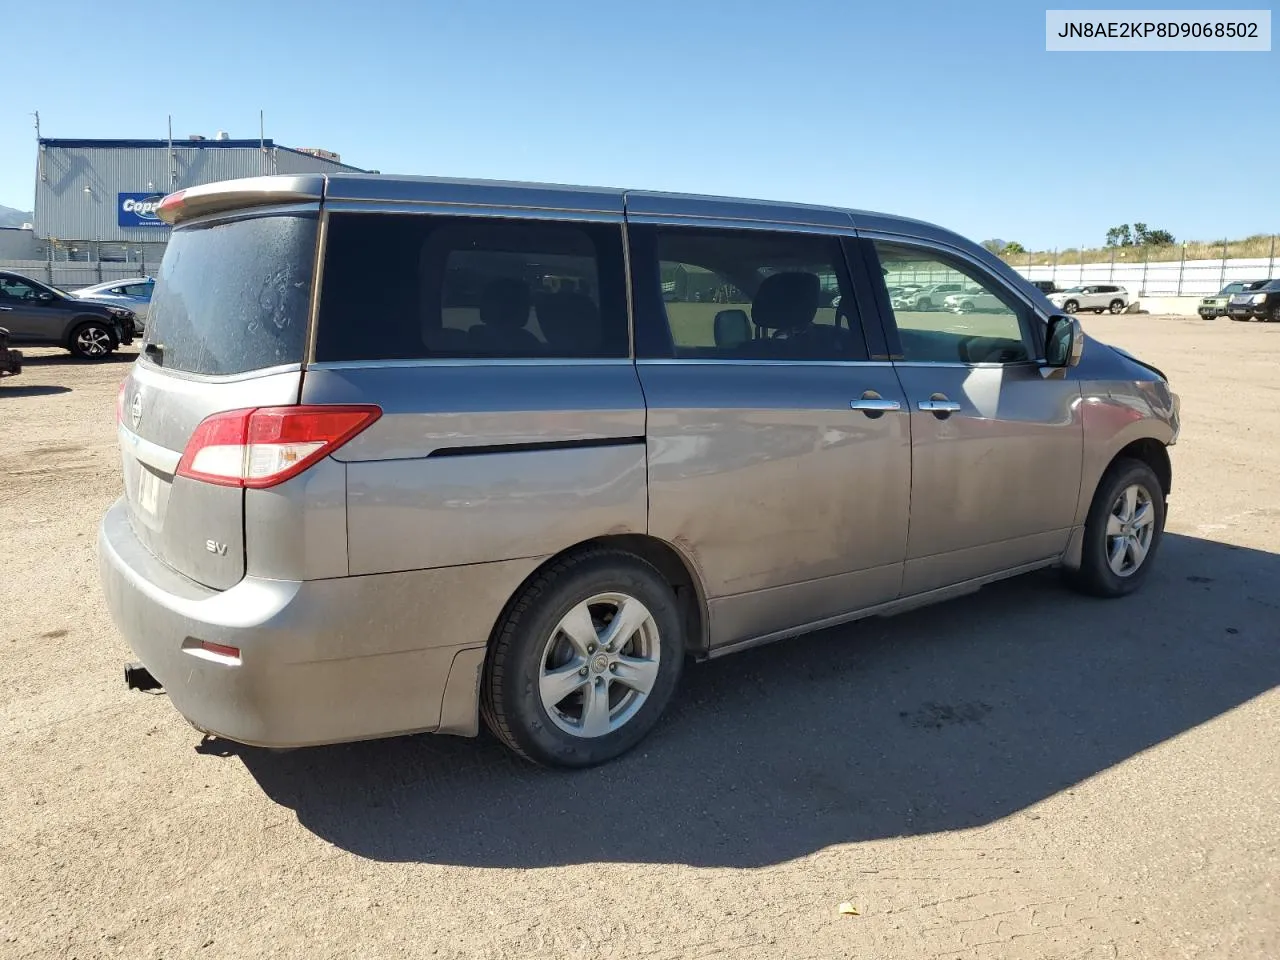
{"type": "Point", "coordinates": [1211, 308]}
{"type": "Point", "coordinates": [1044, 286]}
{"type": "Point", "coordinates": [926, 298]}
{"type": "Point", "coordinates": [133, 294]}
{"type": "Point", "coordinates": [37, 314]}
{"type": "Point", "coordinates": [476, 496]}
{"type": "Point", "coordinates": [1259, 302]}
{"type": "Point", "coordinates": [973, 300]}
{"type": "Point", "coordinates": [1094, 296]}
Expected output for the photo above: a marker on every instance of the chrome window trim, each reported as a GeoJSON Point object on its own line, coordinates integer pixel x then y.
{"type": "Point", "coordinates": [958, 365]}
{"type": "Point", "coordinates": [911, 240]}
{"type": "Point", "coordinates": [739, 362]}
{"type": "Point", "coordinates": [736, 223]}
{"type": "Point", "coordinates": [626, 291]}
{"type": "Point", "coordinates": [317, 284]}
{"type": "Point", "coordinates": [473, 362]}
{"type": "Point", "coordinates": [454, 209]}
{"type": "Point", "coordinates": [915, 241]}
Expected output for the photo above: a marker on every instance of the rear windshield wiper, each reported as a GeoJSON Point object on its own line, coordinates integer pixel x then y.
{"type": "Point", "coordinates": [156, 352]}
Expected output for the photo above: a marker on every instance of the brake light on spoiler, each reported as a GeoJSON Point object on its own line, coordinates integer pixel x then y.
{"type": "Point", "coordinates": [263, 446]}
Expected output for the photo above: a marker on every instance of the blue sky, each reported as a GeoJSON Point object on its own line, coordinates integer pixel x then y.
{"type": "Point", "coordinates": [949, 111]}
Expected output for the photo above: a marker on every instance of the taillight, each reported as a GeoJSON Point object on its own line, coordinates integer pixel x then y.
{"type": "Point", "coordinates": [263, 446]}
{"type": "Point", "coordinates": [124, 385]}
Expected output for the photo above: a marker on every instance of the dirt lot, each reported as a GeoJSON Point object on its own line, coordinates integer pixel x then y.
{"type": "Point", "coordinates": [1022, 773]}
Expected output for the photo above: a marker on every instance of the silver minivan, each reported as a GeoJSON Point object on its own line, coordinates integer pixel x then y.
{"type": "Point", "coordinates": [400, 453]}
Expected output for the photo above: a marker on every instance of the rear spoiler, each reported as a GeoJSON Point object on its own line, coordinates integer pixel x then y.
{"type": "Point", "coordinates": [226, 195]}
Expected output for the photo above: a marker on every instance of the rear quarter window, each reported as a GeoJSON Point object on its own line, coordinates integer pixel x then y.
{"type": "Point", "coordinates": [419, 286]}
{"type": "Point", "coordinates": [233, 296]}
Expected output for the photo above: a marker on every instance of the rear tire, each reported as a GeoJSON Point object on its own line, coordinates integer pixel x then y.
{"type": "Point", "coordinates": [92, 340]}
{"type": "Point", "coordinates": [554, 637]}
{"type": "Point", "coordinates": [1116, 306]}
{"type": "Point", "coordinates": [1122, 532]}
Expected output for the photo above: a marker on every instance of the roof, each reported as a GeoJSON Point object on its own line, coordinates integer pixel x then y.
{"type": "Point", "coordinates": [637, 204]}
{"type": "Point", "coordinates": [461, 196]}
{"type": "Point", "coordinates": [184, 144]}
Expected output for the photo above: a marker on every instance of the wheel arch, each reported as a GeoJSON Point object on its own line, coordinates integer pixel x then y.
{"type": "Point", "coordinates": [1154, 454]}
{"type": "Point", "coordinates": [675, 567]}
{"type": "Point", "coordinates": [79, 320]}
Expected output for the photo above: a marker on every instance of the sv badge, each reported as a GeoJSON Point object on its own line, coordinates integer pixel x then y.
{"type": "Point", "coordinates": [213, 546]}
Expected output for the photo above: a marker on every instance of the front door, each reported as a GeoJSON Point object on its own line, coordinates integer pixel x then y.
{"type": "Point", "coordinates": [23, 313]}
{"type": "Point", "coordinates": [778, 455]}
{"type": "Point", "coordinates": [996, 446]}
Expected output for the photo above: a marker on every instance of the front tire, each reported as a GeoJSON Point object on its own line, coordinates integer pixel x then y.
{"type": "Point", "coordinates": [584, 661]}
{"type": "Point", "coordinates": [1122, 532]}
{"type": "Point", "coordinates": [1274, 315]}
{"type": "Point", "coordinates": [92, 341]}
{"type": "Point", "coordinates": [1071, 306]}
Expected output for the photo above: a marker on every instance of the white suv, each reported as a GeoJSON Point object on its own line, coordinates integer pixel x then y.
{"type": "Point", "coordinates": [1094, 296]}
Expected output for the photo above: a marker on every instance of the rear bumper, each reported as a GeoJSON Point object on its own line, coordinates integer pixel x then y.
{"type": "Point", "coordinates": [321, 661]}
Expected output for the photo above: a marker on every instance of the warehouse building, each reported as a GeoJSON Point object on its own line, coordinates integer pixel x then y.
{"type": "Point", "coordinates": [96, 200]}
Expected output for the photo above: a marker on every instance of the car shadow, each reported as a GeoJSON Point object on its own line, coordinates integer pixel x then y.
{"type": "Point", "coordinates": [35, 390]}
{"type": "Point", "coordinates": [950, 717]}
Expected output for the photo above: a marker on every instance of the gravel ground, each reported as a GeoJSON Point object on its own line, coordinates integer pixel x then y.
{"type": "Point", "coordinates": [1021, 773]}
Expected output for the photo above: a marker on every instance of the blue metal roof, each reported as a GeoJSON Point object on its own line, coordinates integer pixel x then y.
{"type": "Point", "coordinates": [126, 144]}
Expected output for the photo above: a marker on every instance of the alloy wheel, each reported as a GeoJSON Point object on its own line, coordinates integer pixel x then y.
{"type": "Point", "coordinates": [599, 665]}
{"type": "Point", "coordinates": [1130, 528]}
{"type": "Point", "coordinates": [93, 342]}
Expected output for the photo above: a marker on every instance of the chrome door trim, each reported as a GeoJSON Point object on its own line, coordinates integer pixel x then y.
{"type": "Point", "coordinates": [876, 404]}
{"type": "Point", "coordinates": [939, 406]}
{"type": "Point", "coordinates": [890, 608]}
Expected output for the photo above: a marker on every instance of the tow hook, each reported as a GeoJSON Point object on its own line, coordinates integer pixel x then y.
{"type": "Point", "coordinates": [138, 677]}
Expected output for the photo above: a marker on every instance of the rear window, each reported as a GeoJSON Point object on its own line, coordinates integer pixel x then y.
{"type": "Point", "coordinates": [417, 286]}
{"type": "Point", "coordinates": [233, 296]}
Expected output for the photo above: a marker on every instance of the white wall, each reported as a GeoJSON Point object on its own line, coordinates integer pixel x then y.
{"type": "Point", "coordinates": [1192, 278]}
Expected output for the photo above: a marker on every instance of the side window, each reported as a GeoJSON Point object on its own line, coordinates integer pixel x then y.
{"type": "Point", "coordinates": [947, 311]}
{"type": "Point", "coordinates": [137, 289]}
{"type": "Point", "coordinates": [11, 288]}
{"type": "Point", "coordinates": [755, 295]}
{"type": "Point", "coordinates": [415, 286]}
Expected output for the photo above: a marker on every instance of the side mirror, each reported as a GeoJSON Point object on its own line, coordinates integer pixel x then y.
{"type": "Point", "coordinates": [732, 328]}
{"type": "Point", "coordinates": [1064, 342]}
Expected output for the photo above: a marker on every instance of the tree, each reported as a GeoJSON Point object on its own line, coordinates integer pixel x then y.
{"type": "Point", "coordinates": [1012, 248]}
{"type": "Point", "coordinates": [994, 246]}
{"type": "Point", "coordinates": [1146, 237]}
{"type": "Point", "coordinates": [1140, 235]}
{"type": "Point", "coordinates": [1120, 236]}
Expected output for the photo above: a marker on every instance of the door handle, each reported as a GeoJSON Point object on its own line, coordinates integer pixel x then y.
{"type": "Point", "coordinates": [939, 406]}
{"type": "Point", "coordinates": [875, 405]}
